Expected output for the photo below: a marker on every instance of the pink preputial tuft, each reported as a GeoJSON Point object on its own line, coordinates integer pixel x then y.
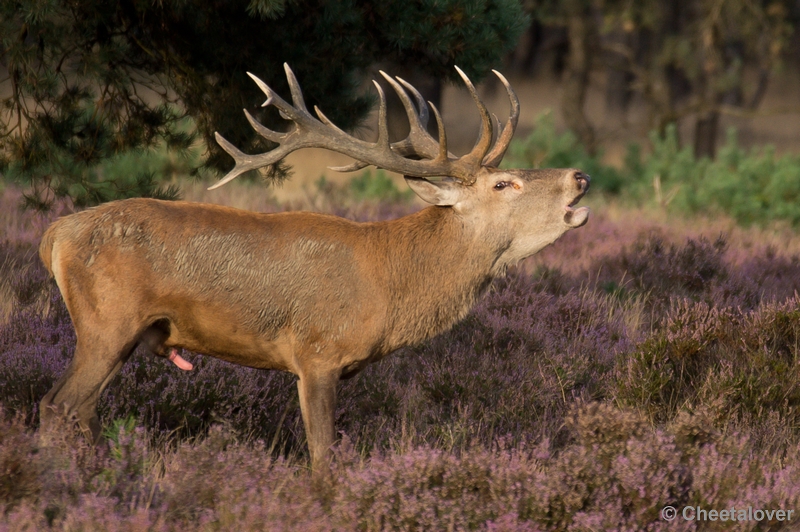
{"type": "Point", "coordinates": [179, 361]}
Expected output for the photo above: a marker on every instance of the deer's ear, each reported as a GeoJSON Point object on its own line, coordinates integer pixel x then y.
{"type": "Point", "coordinates": [443, 192]}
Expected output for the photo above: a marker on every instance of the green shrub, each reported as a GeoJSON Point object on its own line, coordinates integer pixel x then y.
{"type": "Point", "coordinates": [743, 365]}
{"type": "Point", "coordinates": [752, 186]}
{"type": "Point", "coordinates": [377, 186]}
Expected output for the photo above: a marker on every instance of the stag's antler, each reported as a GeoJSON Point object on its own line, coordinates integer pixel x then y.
{"type": "Point", "coordinates": [435, 160]}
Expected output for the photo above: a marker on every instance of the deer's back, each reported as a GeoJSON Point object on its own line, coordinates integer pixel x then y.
{"type": "Point", "coordinates": [269, 270]}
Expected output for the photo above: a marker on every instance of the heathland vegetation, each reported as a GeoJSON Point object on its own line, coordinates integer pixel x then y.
{"type": "Point", "coordinates": [648, 359]}
{"type": "Point", "coordinates": [628, 367]}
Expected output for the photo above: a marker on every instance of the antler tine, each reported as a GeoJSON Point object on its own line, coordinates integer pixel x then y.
{"type": "Point", "coordinates": [294, 87]}
{"type": "Point", "coordinates": [443, 155]}
{"type": "Point", "coordinates": [411, 111]}
{"type": "Point", "coordinates": [234, 152]}
{"type": "Point", "coordinates": [496, 126]}
{"type": "Point", "coordinates": [264, 88]}
{"type": "Point", "coordinates": [327, 121]}
{"type": "Point", "coordinates": [423, 109]}
{"type": "Point", "coordinates": [383, 127]}
{"type": "Point", "coordinates": [245, 162]}
{"type": "Point", "coordinates": [262, 130]}
{"type": "Point", "coordinates": [353, 167]}
{"type": "Point", "coordinates": [504, 136]}
{"type": "Point", "coordinates": [418, 141]}
{"type": "Point", "coordinates": [287, 111]}
{"type": "Point", "coordinates": [475, 157]}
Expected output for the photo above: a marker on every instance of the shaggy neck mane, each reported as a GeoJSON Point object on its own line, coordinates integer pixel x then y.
{"type": "Point", "coordinates": [435, 272]}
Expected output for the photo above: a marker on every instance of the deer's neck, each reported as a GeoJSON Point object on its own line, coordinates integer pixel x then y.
{"type": "Point", "coordinates": [438, 264]}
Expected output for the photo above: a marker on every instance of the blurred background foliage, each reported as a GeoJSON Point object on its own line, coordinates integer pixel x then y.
{"type": "Point", "coordinates": [754, 186]}
{"type": "Point", "coordinates": [688, 57]}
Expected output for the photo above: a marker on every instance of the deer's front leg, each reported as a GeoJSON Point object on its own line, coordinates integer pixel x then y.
{"type": "Point", "coordinates": [318, 406]}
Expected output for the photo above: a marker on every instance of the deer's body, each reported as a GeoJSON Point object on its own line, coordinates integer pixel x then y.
{"type": "Point", "coordinates": [315, 295]}
{"type": "Point", "coordinates": [231, 287]}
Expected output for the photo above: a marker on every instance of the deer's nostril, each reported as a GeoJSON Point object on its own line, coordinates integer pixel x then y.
{"type": "Point", "coordinates": [583, 180]}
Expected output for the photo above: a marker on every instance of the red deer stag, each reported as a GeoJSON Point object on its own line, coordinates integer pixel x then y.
{"type": "Point", "coordinates": [313, 294]}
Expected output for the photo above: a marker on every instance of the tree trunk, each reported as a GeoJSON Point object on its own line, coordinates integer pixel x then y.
{"type": "Point", "coordinates": [523, 59]}
{"type": "Point", "coordinates": [580, 29]}
{"type": "Point", "coordinates": [618, 76]}
{"type": "Point", "coordinates": [705, 135]}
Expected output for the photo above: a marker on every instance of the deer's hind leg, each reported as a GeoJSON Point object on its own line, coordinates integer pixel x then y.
{"type": "Point", "coordinates": [99, 355]}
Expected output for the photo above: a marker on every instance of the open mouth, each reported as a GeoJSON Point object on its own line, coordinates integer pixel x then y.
{"type": "Point", "coordinates": [575, 201]}
{"type": "Point", "coordinates": [577, 217]}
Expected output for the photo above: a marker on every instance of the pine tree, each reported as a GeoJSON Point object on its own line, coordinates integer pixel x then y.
{"type": "Point", "coordinates": [91, 79]}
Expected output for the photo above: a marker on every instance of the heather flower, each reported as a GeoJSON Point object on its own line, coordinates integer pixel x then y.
{"type": "Point", "coordinates": [622, 370]}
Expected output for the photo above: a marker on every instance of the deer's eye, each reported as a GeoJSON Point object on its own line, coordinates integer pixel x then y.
{"type": "Point", "coordinates": [500, 185]}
